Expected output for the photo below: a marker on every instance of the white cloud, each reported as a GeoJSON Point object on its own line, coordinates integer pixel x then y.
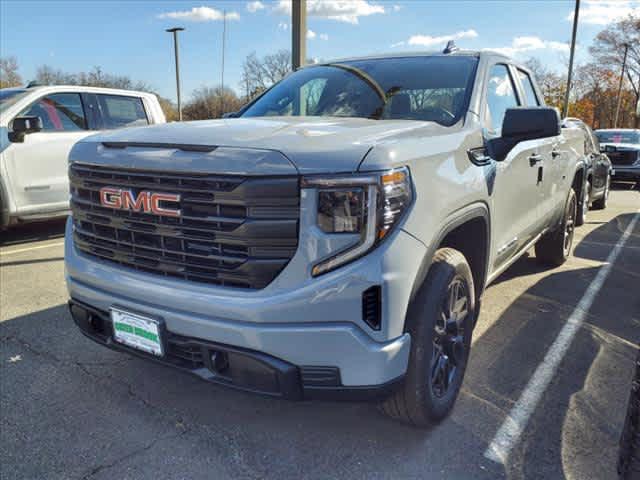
{"type": "Point", "coordinates": [311, 35]}
{"type": "Point", "coordinates": [283, 26]}
{"type": "Point", "coordinates": [429, 41]}
{"type": "Point", "coordinates": [398, 44]}
{"type": "Point", "coordinates": [558, 46]}
{"type": "Point", "coordinates": [603, 12]}
{"type": "Point", "coordinates": [200, 14]}
{"type": "Point", "coordinates": [397, 8]}
{"type": "Point", "coordinates": [347, 11]}
{"type": "Point", "coordinates": [527, 44]}
{"type": "Point", "coordinates": [253, 7]}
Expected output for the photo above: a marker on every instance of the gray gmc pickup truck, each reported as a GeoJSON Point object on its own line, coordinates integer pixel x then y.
{"type": "Point", "coordinates": [335, 238]}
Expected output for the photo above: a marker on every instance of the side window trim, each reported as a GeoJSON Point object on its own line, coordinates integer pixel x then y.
{"type": "Point", "coordinates": [103, 115]}
{"type": "Point", "coordinates": [488, 132]}
{"type": "Point", "coordinates": [517, 71]}
{"type": "Point", "coordinates": [91, 108]}
{"type": "Point", "coordinates": [82, 105]}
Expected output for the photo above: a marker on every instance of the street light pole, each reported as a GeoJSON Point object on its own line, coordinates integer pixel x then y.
{"type": "Point", "coordinates": [175, 31]}
{"type": "Point", "coordinates": [299, 33]}
{"type": "Point", "coordinates": [224, 42]}
{"type": "Point", "coordinates": [624, 64]}
{"type": "Point", "coordinates": [565, 108]}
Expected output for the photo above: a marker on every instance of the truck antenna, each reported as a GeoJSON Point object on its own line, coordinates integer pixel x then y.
{"type": "Point", "coordinates": [451, 47]}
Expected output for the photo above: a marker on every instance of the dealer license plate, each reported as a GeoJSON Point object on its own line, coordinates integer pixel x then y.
{"type": "Point", "coordinates": [137, 331]}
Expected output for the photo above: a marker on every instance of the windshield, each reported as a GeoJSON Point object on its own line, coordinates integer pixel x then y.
{"type": "Point", "coordinates": [619, 136]}
{"type": "Point", "coordinates": [435, 89]}
{"type": "Point", "coordinates": [9, 96]}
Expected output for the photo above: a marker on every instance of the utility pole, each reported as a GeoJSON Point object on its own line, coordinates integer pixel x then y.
{"type": "Point", "coordinates": [624, 65]}
{"type": "Point", "coordinates": [224, 40]}
{"type": "Point", "coordinates": [299, 33]}
{"type": "Point", "coordinates": [175, 31]}
{"type": "Point", "coordinates": [565, 108]}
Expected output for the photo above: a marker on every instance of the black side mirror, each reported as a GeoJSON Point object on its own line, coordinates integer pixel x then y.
{"type": "Point", "coordinates": [22, 126]}
{"type": "Point", "coordinates": [230, 115]}
{"type": "Point", "coordinates": [521, 124]}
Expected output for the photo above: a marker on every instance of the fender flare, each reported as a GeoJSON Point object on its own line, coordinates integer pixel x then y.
{"type": "Point", "coordinates": [454, 220]}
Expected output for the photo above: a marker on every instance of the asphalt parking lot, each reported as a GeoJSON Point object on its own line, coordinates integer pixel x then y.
{"type": "Point", "coordinates": [73, 410]}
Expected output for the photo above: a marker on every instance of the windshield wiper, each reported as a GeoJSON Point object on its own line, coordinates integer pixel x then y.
{"type": "Point", "coordinates": [363, 76]}
{"type": "Point", "coordinates": [384, 96]}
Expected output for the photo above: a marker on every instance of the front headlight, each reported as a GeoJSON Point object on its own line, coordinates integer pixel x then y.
{"type": "Point", "coordinates": [366, 204]}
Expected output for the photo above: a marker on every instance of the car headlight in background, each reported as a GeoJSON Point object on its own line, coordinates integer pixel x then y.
{"type": "Point", "coordinates": [366, 204]}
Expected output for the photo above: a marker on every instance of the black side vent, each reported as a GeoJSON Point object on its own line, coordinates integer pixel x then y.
{"type": "Point", "coordinates": [320, 376]}
{"type": "Point", "coordinates": [371, 307]}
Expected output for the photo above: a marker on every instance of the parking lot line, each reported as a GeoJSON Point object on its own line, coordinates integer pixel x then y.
{"type": "Point", "coordinates": [509, 433]}
{"type": "Point", "coordinates": [38, 247]}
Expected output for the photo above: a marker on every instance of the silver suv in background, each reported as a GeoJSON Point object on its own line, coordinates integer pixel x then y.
{"type": "Point", "coordinates": [333, 240]}
{"type": "Point", "coordinates": [38, 127]}
{"type": "Point", "coordinates": [622, 146]}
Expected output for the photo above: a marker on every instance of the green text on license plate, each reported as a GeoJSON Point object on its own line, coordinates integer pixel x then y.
{"type": "Point", "coordinates": [137, 331]}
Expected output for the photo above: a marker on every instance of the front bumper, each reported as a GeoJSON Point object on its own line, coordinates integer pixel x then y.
{"type": "Point", "coordinates": [318, 324]}
{"type": "Point", "coordinates": [626, 172]}
{"type": "Point", "coordinates": [235, 367]}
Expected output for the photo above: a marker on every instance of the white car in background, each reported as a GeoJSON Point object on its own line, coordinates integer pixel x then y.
{"type": "Point", "coordinates": [38, 127]}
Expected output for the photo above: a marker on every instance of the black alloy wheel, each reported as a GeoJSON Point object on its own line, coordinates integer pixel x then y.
{"type": "Point", "coordinates": [569, 225]}
{"type": "Point", "coordinates": [449, 350]}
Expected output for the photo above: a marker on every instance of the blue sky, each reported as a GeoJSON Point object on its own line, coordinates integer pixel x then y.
{"type": "Point", "coordinates": [127, 37]}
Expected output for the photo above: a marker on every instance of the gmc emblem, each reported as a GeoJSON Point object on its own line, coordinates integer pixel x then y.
{"type": "Point", "coordinates": [147, 202]}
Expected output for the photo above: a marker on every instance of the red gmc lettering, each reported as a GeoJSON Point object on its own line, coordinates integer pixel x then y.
{"type": "Point", "coordinates": [146, 202]}
{"type": "Point", "coordinates": [156, 198]}
{"type": "Point", "coordinates": [140, 204]}
{"type": "Point", "coordinates": [110, 197]}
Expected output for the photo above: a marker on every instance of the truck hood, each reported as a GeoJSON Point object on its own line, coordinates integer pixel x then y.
{"type": "Point", "coordinates": [312, 145]}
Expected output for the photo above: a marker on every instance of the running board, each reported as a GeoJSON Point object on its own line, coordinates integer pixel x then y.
{"type": "Point", "coordinates": [513, 259]}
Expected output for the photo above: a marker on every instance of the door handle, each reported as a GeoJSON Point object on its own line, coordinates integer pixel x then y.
{"type": "Point", "coordinates": [535, 159]}
{"type": "Point", "coordinates": [555, 153]}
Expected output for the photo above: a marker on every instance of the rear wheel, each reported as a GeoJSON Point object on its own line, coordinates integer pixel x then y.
{"type": "Point", "coordinates": [440, 323]}
{"type": "Point", "coordinates": [601, 203]}
{"type": "Point", "coordinates": [584, 205]}
{"type": "Point", "coordinates": [554, 247]}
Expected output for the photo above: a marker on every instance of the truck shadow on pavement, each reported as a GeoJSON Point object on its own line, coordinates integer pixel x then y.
{"type": "Point", "coordinates": [575, 428]}
{"type": "Point", "coordinates": [125, 417]}
{"type": "Point", "coordinates": [32, 232]}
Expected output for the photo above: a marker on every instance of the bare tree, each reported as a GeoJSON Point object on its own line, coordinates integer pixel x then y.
{"type": "Point", "coordinates": [259, 74]}
{"type": "Point", "coordinates": [9, 76]}
{"type": "Point", "coordinates": [551, 83]}
{"type": "Point", "coordinates": [211, 102]}
{"type": "Point", "coordinates": [609, 47]}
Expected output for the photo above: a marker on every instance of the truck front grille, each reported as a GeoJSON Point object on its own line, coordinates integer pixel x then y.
{"type": "Point", "coordinates": [232, 230]}
{"type": "Point", "coordinates": [623, 157]}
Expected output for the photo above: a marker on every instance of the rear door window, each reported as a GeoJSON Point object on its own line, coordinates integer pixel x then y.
{"type": "Point", "coordinates": [529, 91]}
{"type": "Point", "coordinates": [60, 112]}
{"type": "Point", "coordinates": [119, 111]}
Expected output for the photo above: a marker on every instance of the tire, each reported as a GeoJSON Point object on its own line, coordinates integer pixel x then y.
{"type": "Point", "coordinates": [439, 355]}
{"type": "Point", "coordinates": [555, 246]}
{"type": "Point", "coordinates": [583, 207]}
{"type": "Point", "coordinates": [601, 203]}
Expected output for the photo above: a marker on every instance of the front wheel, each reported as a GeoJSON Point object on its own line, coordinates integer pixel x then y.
{"type": "Point", "coordinates": [440, 322]}
{"type": "Point", "coordinates": [554, 247]}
